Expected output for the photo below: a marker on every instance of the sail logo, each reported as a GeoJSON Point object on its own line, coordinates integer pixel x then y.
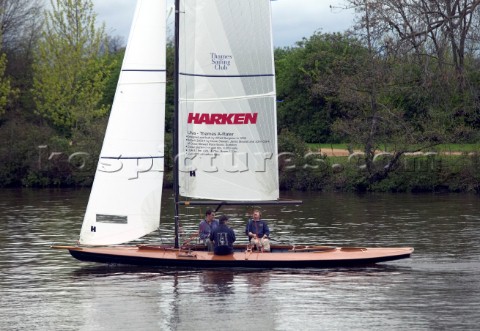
{"type": "Point", "coordinates": [221, 62]}
{"type": "Point", "coordinates": [225, 119]}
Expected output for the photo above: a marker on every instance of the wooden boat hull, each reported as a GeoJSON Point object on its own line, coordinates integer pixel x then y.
{"type": "Point", "coordinates": [309, 257]}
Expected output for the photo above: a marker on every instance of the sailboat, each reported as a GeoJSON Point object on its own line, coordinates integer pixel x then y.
{"type": "Point", "coordinates": [225, 140]}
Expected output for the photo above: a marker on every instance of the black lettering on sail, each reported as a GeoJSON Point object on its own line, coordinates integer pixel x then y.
{"type": "Point", "coordinates": [112, 219]}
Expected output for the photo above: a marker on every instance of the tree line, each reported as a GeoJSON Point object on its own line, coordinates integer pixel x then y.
{"type": "Point", "coordinates": [404, 78]}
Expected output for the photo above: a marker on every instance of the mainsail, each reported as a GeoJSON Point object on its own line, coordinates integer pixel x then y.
{"type": "Point", "coordinates": [227, 110]}
{"type": "Point", "coordinates": [125, 199]}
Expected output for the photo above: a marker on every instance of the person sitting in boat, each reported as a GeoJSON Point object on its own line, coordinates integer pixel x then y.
{"type": "Point", "coordinates": [223, 237]}
{"type": "Point", "coordinates": [257, 231]}
{"type": "Point", "coordinates": [206, 227]}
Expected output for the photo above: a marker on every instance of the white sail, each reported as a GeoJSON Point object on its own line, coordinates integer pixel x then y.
{"type": "Point", "coordinates": [227, 104]}
{"type": "Point", "coordinates": [125, 199]}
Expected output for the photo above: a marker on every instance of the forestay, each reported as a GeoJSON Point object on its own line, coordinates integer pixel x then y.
{"type": "Point", "coordinates": [227, 110]}
{"type": "Point", "coordinates": [125, 199]}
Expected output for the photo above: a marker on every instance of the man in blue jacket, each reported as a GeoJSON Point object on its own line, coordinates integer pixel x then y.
{"type": "Point", "coordinates": [223, 237]}
{"type": "Point", "coordinates": [206, 227]}
{"type": "Point", "coordinates": [258, 232]}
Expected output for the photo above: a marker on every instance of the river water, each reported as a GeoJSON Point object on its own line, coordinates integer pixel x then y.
{"type": "Point", "coordinates": [437, 289]}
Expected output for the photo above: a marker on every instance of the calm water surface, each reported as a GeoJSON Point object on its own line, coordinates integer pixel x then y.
{"type": "Point", "coordinates": [437, 289]}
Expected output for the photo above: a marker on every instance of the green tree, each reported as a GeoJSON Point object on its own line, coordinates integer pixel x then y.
{"type": "Point", "coordinates": [439, 37]}
{"type": "Point", "coordinates": [20, 23]}
{"type": "Point", "coordinates": [308, 82]}
{"type": "Point", "coordinates": [6, 91]}
{"type": "Point", "coordinates": [71, 67]}
{"type": "Point", "coordinates": [391, 106]}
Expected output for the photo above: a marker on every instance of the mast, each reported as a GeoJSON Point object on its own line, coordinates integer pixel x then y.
{"type": "Point", "coordinates": [175, 119]}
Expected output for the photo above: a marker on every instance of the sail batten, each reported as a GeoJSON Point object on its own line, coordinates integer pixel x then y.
{"type": "Point", "coordinates": [131, 157]}
{"type": "Point", "coordinates": [227, 76]}
{"type": "Point", "coordinates": [227, 101]}
{"type": "Point", "coordinates": [124, 202]}
{"type": "Point", "coordinates": [145, 70]}
{"type": "Point", "coordinates": [231, 98]}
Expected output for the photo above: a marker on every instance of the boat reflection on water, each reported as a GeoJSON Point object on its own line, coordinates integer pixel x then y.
{"type": "Point", "coordinates": [217, 282]}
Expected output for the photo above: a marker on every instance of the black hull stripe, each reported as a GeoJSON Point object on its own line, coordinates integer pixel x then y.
{"type": "Point", "coordinates": [264, 264]}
